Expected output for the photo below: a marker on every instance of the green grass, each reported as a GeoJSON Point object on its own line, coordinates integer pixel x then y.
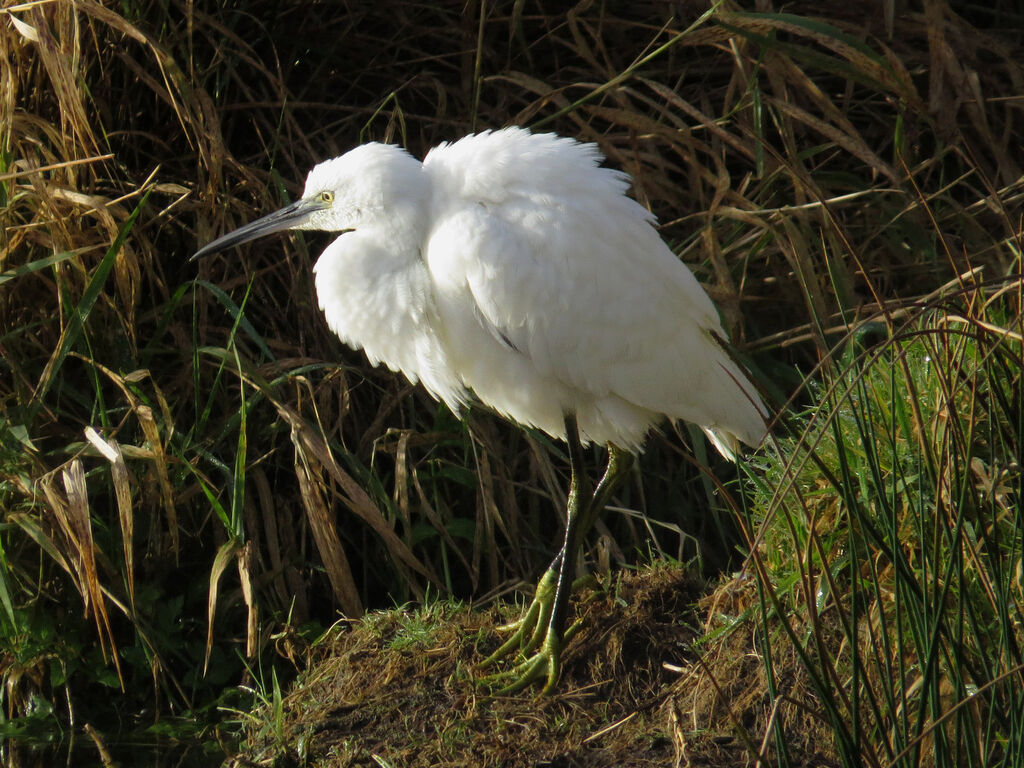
{"type": "Point", "coordinates": [195, 474]}
{"type": "Point", "coordinates": [891, 540]}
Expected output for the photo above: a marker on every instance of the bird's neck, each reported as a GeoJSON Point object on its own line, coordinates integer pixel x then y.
{"type": "Point", "coordinates": [406, 214]}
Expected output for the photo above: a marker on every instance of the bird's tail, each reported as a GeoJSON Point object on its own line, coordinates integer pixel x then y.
{"type": "Point", "coordinates": [725, 441]}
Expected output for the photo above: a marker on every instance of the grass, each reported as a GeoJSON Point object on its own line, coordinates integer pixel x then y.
{"type": "Point", "coordinates": [195, 475]}
{"type": "Point", "coordinates": [399, 686]}
{"type": "Point", "coordinates": [893, 567]}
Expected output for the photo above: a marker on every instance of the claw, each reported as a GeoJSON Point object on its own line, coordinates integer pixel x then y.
{"type": "Point", "coordinates": [545, 664]}
{"type": "Point", "coordinates": [529, 631]}
{"type": "Point", "coordinates": [532, 632]}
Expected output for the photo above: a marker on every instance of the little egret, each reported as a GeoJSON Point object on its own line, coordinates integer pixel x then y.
{"type": "Point", "coordinates": [512, 268]}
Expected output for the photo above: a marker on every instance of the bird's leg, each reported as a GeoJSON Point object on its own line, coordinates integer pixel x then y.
{"type": "Point", "coordinates": [581, 498]}
{"type": "Point", "coordinates": [577, 527]}
{"type": "Point", "coordinates": [620, 461]}
{"type": "Point", "coordinates": [530, 631]}
{"type": "Point", "coordinates": [543, 625]}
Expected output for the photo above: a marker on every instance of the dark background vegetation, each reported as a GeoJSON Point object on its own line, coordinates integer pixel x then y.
{"type": "Point", "coordinates": [246, 476]}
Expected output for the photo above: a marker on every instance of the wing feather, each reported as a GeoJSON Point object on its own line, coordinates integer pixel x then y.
{"type": "Point", "coordinates": [584, 303]}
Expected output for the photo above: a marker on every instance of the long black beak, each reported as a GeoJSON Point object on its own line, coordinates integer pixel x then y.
{"type": "Point", "coordinates": [289, 217]}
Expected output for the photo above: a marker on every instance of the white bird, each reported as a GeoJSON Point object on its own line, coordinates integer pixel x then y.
{"type": "Point", "coordinates": [511, 268]}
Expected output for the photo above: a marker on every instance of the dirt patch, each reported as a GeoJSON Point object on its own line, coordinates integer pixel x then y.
{"type": "Point", "coordinates": [639, 688]}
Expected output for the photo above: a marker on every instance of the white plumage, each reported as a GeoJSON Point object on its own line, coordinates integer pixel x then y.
{"type": "Point", "coordinates": [511, 264]}
{"type": "Point", "coordinates": [511, 267]}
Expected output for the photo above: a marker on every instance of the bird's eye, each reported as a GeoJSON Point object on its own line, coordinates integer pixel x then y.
{"type": "Point", "coordinates": [327, 196]}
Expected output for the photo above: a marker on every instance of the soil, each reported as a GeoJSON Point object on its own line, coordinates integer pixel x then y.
{"type": "Point", "coordinates": [663, 672]}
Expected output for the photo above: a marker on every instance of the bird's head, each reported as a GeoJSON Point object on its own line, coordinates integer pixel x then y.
{"type": "Point", "coordinates": [368, 185]}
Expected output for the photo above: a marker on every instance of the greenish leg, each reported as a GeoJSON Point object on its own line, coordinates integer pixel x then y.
{"type": "Point", "coordinates": [543, 624]}
{"type": "Point", "coordinates": [620, 462]}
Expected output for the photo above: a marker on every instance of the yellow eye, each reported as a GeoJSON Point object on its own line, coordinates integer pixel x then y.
{"type": "Point", "coordinates": [327, 196]}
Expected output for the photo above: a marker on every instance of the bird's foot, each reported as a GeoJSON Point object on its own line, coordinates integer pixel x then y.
{"type": "Point", "coordinates": [545, 664]}
{"type": "Point", "coordinates": [537, 637]}
{"type": "Point", "coordinates": [529, 631]}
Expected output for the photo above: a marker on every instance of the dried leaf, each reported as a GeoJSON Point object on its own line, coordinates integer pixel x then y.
{"type": "Point", "coordinates": [321, 522]}
{"type": "Point", "coordinates": [220, 562]}
{"type": "Point", "coordinates": [122, 490]}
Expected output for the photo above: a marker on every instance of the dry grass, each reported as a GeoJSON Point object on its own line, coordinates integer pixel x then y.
{"type": "Point", "coordinates": [196, 464]}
